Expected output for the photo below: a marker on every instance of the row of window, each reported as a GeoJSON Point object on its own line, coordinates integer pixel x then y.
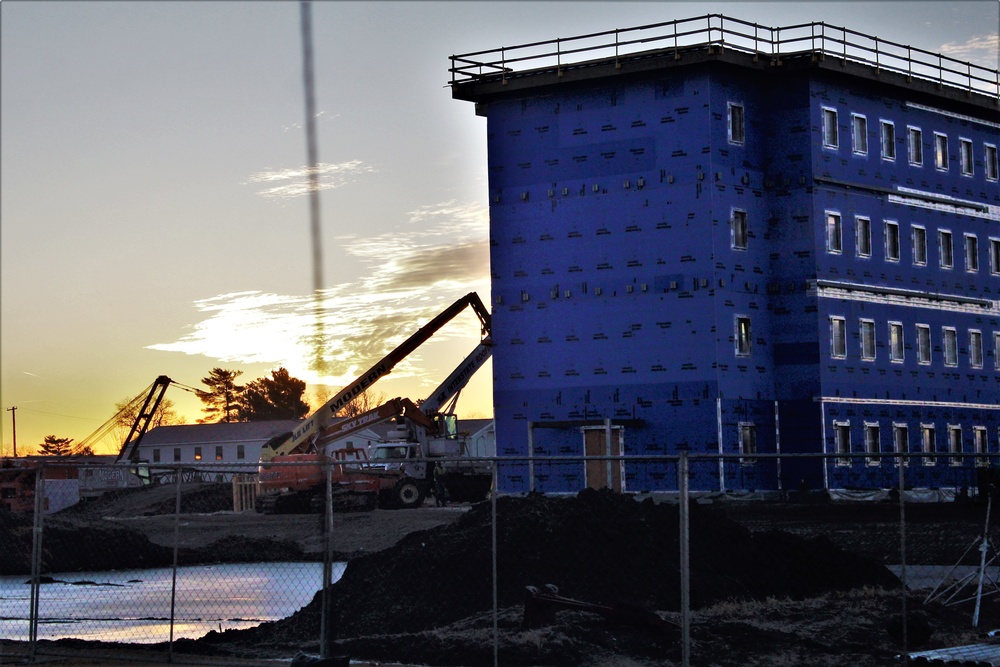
{"type": "Point", "coordinates": [219, 453]}
{"type": "Point", "coordinates": [901, 442]}
{"type": "Point", "coordinates": [949, 343]}
{"type": "Point", "coordinates": [914, 144]}
{"type": "Point", "coordinates": [918, 243]}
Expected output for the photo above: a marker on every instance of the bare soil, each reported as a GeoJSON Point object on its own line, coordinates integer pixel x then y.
{"type": "Point", "coordinates": [771, 583]}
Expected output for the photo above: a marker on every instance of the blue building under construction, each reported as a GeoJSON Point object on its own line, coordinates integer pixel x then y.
{"type": "Point", "coordinates": [740, 240]}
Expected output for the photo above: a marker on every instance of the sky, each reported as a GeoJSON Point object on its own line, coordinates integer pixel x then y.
{"type": "Point", "coordinates": [154, 217]}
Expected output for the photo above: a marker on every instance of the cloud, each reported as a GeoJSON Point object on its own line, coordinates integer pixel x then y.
{"type": "Point", "coordinates": [979, 50]}
{"type": "Point", "coordinates": [414, 273]}
{"type": "Point", "coordinates": [294, 182]}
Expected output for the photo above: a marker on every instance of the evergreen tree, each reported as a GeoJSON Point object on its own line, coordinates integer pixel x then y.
{"type": "Point", "coordinates": [277, 397]}
{"type": "Point", "coordinates": [53, 446]}
{"type": "Point", "coordinates": [222, 400]}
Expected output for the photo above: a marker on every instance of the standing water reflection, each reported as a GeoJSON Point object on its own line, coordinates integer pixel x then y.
{"type": "Point", "coordinates": [134, 605]}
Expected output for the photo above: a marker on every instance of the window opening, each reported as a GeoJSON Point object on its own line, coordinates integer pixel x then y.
{"type": "Point", "coordinates": [915, 149]}
{"type": "Point", "coordinates": [834, 242]}
{"type": "Point", "coordinates": [864, 236]}
{"type": "Point", "coordinates": [923, 344]}
{"type": "Point", "coordinates": [859, 134]}
{"type": "Point", "coordinates": [941, 151]}
{"type": "Point", "coordinates": [742, 336]}
{"type": "Point", "coordinates": [975, 348]}
{"type": "Point", "coordinates": [838, 337]}
{"type": "Point", "coordinates": [896, 341]}
{"type": "Point", "coordinates": [868, 340]}
{"type": "Point", "coordinates": [748, 440]}
{"type": "Point", "coordinates": [842, 440]}
{"type": "Point", "coordinates": [927, 443]}
{"type": "Point", "coordinates": [971, 253]}
{"type": "Point", "coordinates": [739, 232]}
{"type": "Point", "coordinates": [888, 140]}
{"type": "Point", "coordinates": [830, 138]}
{"type": "Point", "coordinates": [736, 132]}
{"type": "Point", "coordinates": [891, 241]}
{"type": "Point", "coordinates": [901, 441]}
{"type": "Point", "coordinates": [965, 156]}
{"type": "Point", "coordinates": [950, 346]}
{"type": "Point", "coordinates": [872, 443]}
{"type": "Point", "coordinates": [981, 443]}
{"type": "Point", "coordinates": [946, 249]}
{"type": "Point", "coordinates": [955, 444]}
{"type": "Point", "coordinates": [919, 246]}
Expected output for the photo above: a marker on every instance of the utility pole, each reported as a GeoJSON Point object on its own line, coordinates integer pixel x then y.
{"type": "Point", "coordinates": [13, 419]}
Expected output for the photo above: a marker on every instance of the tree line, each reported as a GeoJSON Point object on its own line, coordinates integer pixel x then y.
{"type": "Point", "coordinates": [279, 396]}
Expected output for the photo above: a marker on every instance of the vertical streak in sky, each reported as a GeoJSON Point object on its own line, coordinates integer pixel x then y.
{"type": "Point", "coordinates": [313, 170]}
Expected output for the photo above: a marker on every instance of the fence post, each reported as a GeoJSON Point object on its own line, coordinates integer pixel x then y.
{"type": "Point", "coordinates": [493, 525]}
{"type": "Point", "coordinates": [902, 551]}
{"type": "Point", "coordinates": [325, 636]}
{"type": "Point", "coordinates": [36, 558]}
{"type": "Point", "coordinates": [682, 483]}
{"type": "Point", "coordinates": [173, 575]}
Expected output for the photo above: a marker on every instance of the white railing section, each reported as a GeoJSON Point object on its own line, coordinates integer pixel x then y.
{"type": "Point", "coordinates": [715, 30]}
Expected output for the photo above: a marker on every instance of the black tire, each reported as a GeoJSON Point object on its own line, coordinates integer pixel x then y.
{"type": "Point", "coordinates": [408, 493]}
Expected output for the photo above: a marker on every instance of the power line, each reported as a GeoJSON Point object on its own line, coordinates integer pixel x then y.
{"type": "Point", "coordinates": [56, 414]}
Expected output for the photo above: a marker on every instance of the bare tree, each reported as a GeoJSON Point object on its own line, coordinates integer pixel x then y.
{"type": "Point", "coordinates": [128, 411]}
{"type": "Point", "coordinates": [363, 402]}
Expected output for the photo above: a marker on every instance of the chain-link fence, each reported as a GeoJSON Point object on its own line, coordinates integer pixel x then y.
{"type": "Point", "coordinates": [726, 563]}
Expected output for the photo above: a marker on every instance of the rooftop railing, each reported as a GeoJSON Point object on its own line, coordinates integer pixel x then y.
{"type": "Point", "coordinates": [625, 44]}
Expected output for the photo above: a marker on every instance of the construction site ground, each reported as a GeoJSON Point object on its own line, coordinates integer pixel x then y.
{"type": "Point", "coordinates": [772, 583]}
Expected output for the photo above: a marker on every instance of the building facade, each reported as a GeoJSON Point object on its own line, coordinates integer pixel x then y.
{"type": "Point", "coordinates": [717, 247]}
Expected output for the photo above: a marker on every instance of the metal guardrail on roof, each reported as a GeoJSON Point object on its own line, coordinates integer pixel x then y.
{"type": "Point", "coordinates": [623, 44]}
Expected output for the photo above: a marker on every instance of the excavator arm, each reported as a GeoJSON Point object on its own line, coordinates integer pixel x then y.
{"type": "Point", "coordinates": [303, 436]}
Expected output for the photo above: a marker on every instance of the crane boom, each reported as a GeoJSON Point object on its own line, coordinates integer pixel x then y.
{"type": "Point", "coordinates": [130, 448]}
{"type": "Point", "coordinates": [306, 432]}
{"type": "Point", "coordinates": [460, 377]}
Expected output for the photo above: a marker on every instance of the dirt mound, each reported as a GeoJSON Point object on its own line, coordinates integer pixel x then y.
{"type": "Point", "coordinates": [599, 547]}
{"type": "Point", "coordinates": [64, 549]}
{"type": "Point", "coordinates": [196, 498]}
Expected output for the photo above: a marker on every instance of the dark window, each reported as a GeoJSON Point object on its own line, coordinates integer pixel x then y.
{"type": "Point", "coordinates": [743, 340]}
{"type": "Point", "coordinates": [892, 241]}
{"type": "Point", "coordinates": [864, 237]}
{"type": "Point", "coordinates": [946, 249]}
{"type": "Point", "coordinates": [739, 229]}
{"type": "Point", "coordinates": [971, 253]}
{"type": "Point", "coordinates": [830, 137]}
{"type": "Point", "coordinates": [868, 340]}
{"type": "Point", "coordinates": [888, 140]}
{"type": "Point", "coordinates": [834, 236]}
{"type": "Point", "coordinates": [965, 155]}
{"type": "Point", "coordinates": [838, 337]}
{"type": "Point", "coordinates": [914, 146]}
{"type": "Point", "coordinates": [859, 134]}
{"type": "Point", "coordinates": [941, 151]}
{"type": "Point", "coordinates": [919, 246]}
{"type": "Point", "coordinates": [736, 131]}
